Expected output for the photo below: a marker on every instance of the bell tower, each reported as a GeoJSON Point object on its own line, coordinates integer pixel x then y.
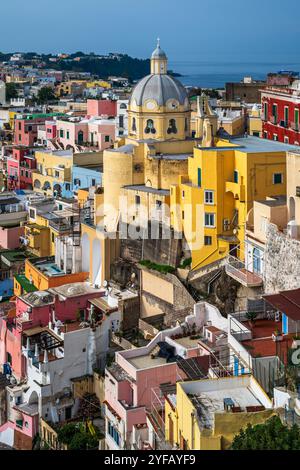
{"type": "Point", "coordinates": [159, 61]}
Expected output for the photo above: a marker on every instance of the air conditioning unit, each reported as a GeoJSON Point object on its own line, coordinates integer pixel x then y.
{"type": "Point", "coordinates": [226, 225]}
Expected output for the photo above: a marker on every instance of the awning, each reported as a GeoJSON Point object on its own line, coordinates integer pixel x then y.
{"type": "Point", "coordinates": [287, 302]}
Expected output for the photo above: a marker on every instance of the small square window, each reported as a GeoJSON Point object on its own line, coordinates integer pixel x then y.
{"type": "Point", "coordinates": [277, 178]}
{"type": "Point", "coordinates": [207, 240]}
{"type": "Point", "coordinates": [107, 138]}
{"type": "Point", "coordinates": [209, 219]}
{"type": "Point", "coordinates": [236, 176]}
{"type": "Point", "coordinates": [208, 197]}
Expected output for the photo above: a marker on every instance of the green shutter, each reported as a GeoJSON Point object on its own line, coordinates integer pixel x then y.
{"type": "Point", "coordinates": [199, 177]}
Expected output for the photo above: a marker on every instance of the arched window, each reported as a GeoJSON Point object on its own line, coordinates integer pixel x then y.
{"type": "Point", "coordinates": [133, 125]}
{"type": "Point", "coordinates": [150, 127]}
{"type": "Point", "coordinates": [123, 106]}
{"type": "Point", "coordinates": [172, 127]}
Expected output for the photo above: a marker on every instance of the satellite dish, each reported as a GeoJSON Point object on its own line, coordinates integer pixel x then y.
{"type": "Point", "coordinates": [105, 283]}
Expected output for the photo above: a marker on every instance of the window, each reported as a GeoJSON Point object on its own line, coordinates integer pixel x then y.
{"type": "Point", "coordinates": [209, 219]}
{"type": "Point", "coordinates": [9, 358]}
{"type": "Point", "coordinates": [158, 204]}
{"type": "Point", "coordinates": [77, 182]}
{"type": "Point", "coordinates": [113, 433]}
{"type": "Point", "coordinates": [182, 215]}
{"type": "Point", "coordinates": [183, 194]}
{"type": "Point", "coordinates": [208, 197]}
{"type": "Point", "coordinates": [137, 200]}
{"type": "Point", "coordinates": [93, 182]}
{"type": "Point", "coordinates": [265, 135]}
{"type": "Point", "coordinates": [133, 128]}
{"type": "Point", "coordinates": [186, 125]}
{"type": "Point", "coordinates": [172, 129]}
{"type": "Point", "coordinates": [277, 178]}
{"type": "Point", "coordinates": [121, 121]}
{"type": "Point", "coordinates": [265, 111]}
{"type": "Point", "coordinates": [107, 138]}
{"type": "Point", "coordinates": [274, 113]}
{"type": "Point", "coordinates": [68, 186]}
{"type": "Point", "coordinates": [263, 224]}
{"type": "Point", "coordinates": [56, 174]}
{"type": "Point", "coordinates": [52, 237]}
{"type": "Point", "coordinates": [296, 119]}
{"type": "Point", "coordinates": [32, 214]}
{"type": "Point", "coordinates": [286, 116]}
{"type": "Point", "coordinates": [150, 129]}
{"type": "Point", "coordinates": [207, 240]}
{"type": "Point", "coordinates": [68, 135]}
{"type": "Point", "coordinates": [275, 137]}
{"type": "Point", "coordinates": [199, 178]}
{"type": "Point", "coordinates": [286, 139]}
{"type": "Point", "coordinates": [236, 176]}
{"type": "Point", "coordinates": [61, 133]}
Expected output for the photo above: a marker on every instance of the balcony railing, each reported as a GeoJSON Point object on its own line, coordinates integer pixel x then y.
{"type": "Point", "coordinates": [237, 270]}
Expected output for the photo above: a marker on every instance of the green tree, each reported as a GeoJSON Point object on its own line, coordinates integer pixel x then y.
{"type": "Point", "coordinates": [272, 435]}
{"type": "Point", "coordinates": [45, 95]}
{"type": "Point", "coordinates": [11, 91]}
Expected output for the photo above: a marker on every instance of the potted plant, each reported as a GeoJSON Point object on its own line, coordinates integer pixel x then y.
{"type": "Point", "coordinates": [251, 316]}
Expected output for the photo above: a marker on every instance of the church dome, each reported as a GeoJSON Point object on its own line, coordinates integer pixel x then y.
{"type": "Point", "coordinates": [158, 53]}
{"type": "Point", "coordinates": [159, 88]}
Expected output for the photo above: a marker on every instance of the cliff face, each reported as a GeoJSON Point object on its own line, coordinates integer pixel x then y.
{"type": "Point", "coordinates": [282, 261]}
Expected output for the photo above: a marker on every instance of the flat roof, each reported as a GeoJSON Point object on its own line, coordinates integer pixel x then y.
{"type": "Point", "coordinates": [25, 283]}
{"type": "Point", "coordinates": [253, 144]}
{"type": "Point", "coordinates": [211, 402]}
{"type": "Point", "coordinates": [147, 189]}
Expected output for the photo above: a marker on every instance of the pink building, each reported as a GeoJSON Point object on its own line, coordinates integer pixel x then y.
{"type": "Point", "coordinates": [35, 309]}
{"type": "Point", "coordinates": [19, 168]}
{"type": "Point", "coordinates": [76, 132]}
{"type": "Point", "coordinates": [97, 108]}
{"type": "Point", "coordinates": [10, 237]}
{"type": "Point", "coordinates": [132, 383]}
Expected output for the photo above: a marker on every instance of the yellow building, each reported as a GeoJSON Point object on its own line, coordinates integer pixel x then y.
{"type": "Point", "coordinates": [211, 202]}
{"type": "Point", "coordinates": [207, 414]}
{"type": "Point", "coordinates": [38, 239]}
{"type": "Point", "coordinates": [98, 83]}
{"type": "Point", "coordinates": [255, 121]}
{"type": "Point", "coordinates": [53, 174]}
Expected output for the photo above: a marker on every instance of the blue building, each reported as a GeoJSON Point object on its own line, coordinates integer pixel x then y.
{"type": "Point", "coordinates": [86, 177]}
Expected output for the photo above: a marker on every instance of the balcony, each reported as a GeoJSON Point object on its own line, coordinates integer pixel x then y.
{"type": "Point", "coordinates": [237, 189]}
{"type": "Point", "coordinates": [236, 269]}
{"type": "Point", "coordinates": [295, 126]}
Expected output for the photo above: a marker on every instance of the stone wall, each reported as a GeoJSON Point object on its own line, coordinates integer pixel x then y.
{"type": "Point", "coordinates": [282, 261]}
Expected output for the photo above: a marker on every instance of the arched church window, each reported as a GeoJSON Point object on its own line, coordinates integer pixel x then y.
{"type": "Point", "coordinates": [134, 125]}
{"type": "Point", "coordinates": [150, 127]}
{"type": "Point", "coordinates": [172, 127]}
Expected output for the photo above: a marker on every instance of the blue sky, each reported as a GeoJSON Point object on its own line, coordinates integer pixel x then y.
{"type": "Point", "coordinates": [189, 29]}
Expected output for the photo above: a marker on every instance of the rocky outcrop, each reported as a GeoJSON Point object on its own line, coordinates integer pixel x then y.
{"type": "Point", "coordinates": [282, 261]}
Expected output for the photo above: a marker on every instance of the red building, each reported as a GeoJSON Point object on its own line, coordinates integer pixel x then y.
{"type": "Point", "coordinates": [281, 112]}
{"type": "Point", "coordinates": [26, 127]}
{"type": "Point", "coordinates": [20, 165]}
